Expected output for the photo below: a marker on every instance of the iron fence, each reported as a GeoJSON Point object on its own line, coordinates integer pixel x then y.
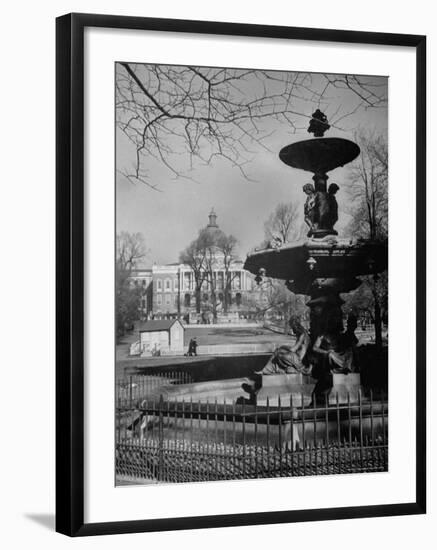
{"type": "Point", "coordinates": [187, 441]}
{"type": "Point", "coordinates": [130, 389]}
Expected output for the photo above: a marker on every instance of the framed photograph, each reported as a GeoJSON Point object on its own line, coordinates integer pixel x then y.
{"type": "Point", "coordinates": [240, 274]}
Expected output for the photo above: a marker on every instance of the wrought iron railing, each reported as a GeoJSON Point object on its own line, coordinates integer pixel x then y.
{"type": "Point", "coordinates": [129, 389]}
{"type": "Point", "coordinates": [186, 441]}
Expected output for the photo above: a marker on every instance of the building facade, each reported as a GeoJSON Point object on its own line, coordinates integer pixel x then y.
{"type": "Point", "coordinates": [174, 292]}
{"type": "Point", "coordinates": [170, 290]}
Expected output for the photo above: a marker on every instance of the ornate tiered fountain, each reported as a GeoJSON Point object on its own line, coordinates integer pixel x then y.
{"type": "Point", "coordinates": [323, 265]}
{"type": "Point", "coordinates": [286, 407]}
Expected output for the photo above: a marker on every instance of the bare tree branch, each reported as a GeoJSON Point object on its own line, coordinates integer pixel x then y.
{"type": "Point", "coordinates": [177, 115]}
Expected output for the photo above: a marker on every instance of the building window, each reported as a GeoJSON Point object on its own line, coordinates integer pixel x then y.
{"type": "Point", "coordinates": [159, 300]}
{"type": "Point", "coordinates": [159, 285]}
{"type": "Point", "coordinates": [167, 300]}
{"type": "Point", "coordinates": [175, 285]}
{"type": "Point", "coordinates": [144, 282]}
{"type": "Point", "coordinates": [238, 298]}
{"type": "Point", "coordinates": [186, 281]}
{"type": "Point", "coordinates": [220, 280]}
{"type": "Point", "coordinates": [237, 280]}
{"type": "Point", "coordinates": [167, 285]}
{"type": "Point", "coordinates": [187, 300]}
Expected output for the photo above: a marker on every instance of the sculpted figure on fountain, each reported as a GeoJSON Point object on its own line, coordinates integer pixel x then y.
{"type": "Point", "coordinates": [321, 208]}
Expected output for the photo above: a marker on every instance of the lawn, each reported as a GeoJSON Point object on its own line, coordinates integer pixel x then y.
{"type": "Point", "coordinates": [214, 334]}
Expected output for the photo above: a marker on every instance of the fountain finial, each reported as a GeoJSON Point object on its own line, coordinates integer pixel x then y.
{"type": "Point", "coordinates": [318, 124]}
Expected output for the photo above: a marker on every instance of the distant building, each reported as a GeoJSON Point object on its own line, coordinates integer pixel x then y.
{"type": "Point", "coordinates": [169, 290]}
{"type": "Point", "coordinates": [161, 336]}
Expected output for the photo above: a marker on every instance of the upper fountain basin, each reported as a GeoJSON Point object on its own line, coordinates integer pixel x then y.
{"type": "Point", "coordinates": [319, 155]}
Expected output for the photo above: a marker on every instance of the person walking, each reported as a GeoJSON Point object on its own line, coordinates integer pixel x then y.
{"type": "Point", "coordinates": [192, 347]}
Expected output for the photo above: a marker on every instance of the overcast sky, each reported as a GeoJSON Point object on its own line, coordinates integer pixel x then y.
{"type": "Point", "coordinates": [171, 217]}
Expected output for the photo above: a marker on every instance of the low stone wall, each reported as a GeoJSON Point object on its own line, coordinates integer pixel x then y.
{"type": "Point", "coordinates": [240, 324]}
{"type": "Point", "coordinates": [205, 367]}
{"type": "Point", "coordinates": [230, 349]}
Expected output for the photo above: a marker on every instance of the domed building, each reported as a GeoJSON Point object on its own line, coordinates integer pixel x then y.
{"type": "Point", "coordinates": [227, 292]}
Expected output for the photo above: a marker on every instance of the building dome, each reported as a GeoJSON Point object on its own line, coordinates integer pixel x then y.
{"type": "Point", "coordinates": [212, 220]}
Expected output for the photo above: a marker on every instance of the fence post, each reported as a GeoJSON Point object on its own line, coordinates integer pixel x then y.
{"type": "Point", "coordinates": [280, 435]}
{"type": "Point", "coordinates": [360, 403]}
{"type": "Point", "coordinates": [160, 438]}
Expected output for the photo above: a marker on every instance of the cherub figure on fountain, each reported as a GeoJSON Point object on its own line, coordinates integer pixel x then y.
{"type": "Point", "coordinates": [320, 209]}
{"type": "Point", "coordinates": [331, 215]}
{"type": "Point", "coordinates": [310, 211]}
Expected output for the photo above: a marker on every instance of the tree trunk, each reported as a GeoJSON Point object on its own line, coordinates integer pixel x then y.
{"type": "Point", "coordinates": [378, 325]}
{"type": "Point", "coordinates": [198, 291]}
{"type": "Point", "coordinates": [214, 306]}
{"type": "Point", "coordinates": [226, 294]}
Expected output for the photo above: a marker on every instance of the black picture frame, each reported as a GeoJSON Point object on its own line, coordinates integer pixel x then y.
{"type": "Point", "coordinates": [70, 273]}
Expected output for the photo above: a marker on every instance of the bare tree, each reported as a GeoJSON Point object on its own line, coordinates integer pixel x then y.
{"type": "Point", "coordinates": [368, 194]}
{"type": "Point", "coordinates": [371, 298]}
{"type": "Point", "coordinates": [368, 189]}
{"type": "Point", "coordinates": [130, 249]}
{"type": "Point", "coordinates": [283, 223]}
{"type": "Point", "coordinates": [194, 257]}
{"type": "Point", "coordinates": [276, 300]}
{"type": "Point", "coordinates": [226, 246]}
{"type": "Point", "coordinates": [206, 113]}
{"type": "Point", "coordinates": [210, 252]}
{"type": "Point", "coordinates": [207, 243]}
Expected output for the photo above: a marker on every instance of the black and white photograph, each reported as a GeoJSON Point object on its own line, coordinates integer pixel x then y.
{"type": "Point", "coordinates": [251, 256]}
